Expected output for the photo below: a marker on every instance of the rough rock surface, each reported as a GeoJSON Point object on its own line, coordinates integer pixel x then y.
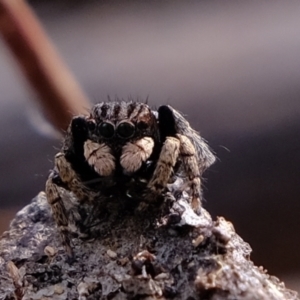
{"type": "Point", "coordinates": [162, 252]}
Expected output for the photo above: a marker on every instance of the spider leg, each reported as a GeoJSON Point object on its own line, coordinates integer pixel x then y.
{"type": "Point", "coordinates": [70, 179]}
{"type": "Point", "coordinates": [63, 177]}
{"type": "Point", "coordinates": [194, 152]}
{"type": "Point", "coordinates": [59, 211]}
{"type": "Point", "coordinates": [134, 154]}
{"type": "Point", "coordinates": [190, 163]}
{"type": "Point", "coordinates": [165, 164]}
{"type": "Point", "coordinates": [172, 123]}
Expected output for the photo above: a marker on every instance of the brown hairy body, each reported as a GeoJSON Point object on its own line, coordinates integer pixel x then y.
{"type": "Point", "coordinates": [123, 148]}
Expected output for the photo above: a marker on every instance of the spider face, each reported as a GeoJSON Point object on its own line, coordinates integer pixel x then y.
{"type": "Point", "coordinates": [116, 124]}
{"type": "Point", "coordinates": [121, 144]}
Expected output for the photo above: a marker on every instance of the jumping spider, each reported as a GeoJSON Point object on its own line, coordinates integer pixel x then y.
{"type": "Point", "coordinates": [121, 146]}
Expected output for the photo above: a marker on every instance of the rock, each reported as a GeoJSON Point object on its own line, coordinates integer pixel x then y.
{"type": "Point", "coordinates": [149, 254]}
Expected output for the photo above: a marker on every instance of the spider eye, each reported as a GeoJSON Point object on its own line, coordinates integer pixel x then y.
{"type": "Point", "coordinates": [91, 125]}
{"type": "Point", "coordinates": [125, 130]}
{"type": "Point", "coordinates": [107, 130]}
{"type": "Point", "coordinates": [142, 125]}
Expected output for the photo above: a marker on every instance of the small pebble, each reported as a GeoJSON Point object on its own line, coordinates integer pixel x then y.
{"type": "Point", "coordinates": [198, 240]}
{"type": "Point", "coordinates": [111, 254]}
{"type": "Point", "coordinates": [50, 251]}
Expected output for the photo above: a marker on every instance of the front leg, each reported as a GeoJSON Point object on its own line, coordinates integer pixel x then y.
{"type": "Point", "coordinates": [165, 164]}
{"type": "Point", "coordinates": [61, 182]}
{"type": "Point", "coordinates": [190, 163]}
{"type": "Point", "coordinates": [194, 152]}
{"type": "Point", "coordinates": [70, 179]}
{"type": "Point", "coordinates": [59, 211]}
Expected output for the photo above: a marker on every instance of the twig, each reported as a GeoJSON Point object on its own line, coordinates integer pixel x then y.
{"type": "Point", "coordinates": [58, 92]}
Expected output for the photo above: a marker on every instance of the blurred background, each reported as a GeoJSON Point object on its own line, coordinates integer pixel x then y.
{"type": "Point", "coordinates": [233, 68]}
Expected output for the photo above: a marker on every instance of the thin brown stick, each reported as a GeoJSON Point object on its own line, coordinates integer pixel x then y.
{"type": "Point", "coordinates": [59, 94]}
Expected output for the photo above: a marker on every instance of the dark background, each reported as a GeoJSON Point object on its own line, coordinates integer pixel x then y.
{"type": "Point", "coordinates": [232, 68]}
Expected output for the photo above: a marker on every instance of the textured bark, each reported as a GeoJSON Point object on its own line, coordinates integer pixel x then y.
{"type": "Point", "coordinates": [165, 251]}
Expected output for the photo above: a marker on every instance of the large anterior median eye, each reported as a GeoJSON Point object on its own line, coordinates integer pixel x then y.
{"type": "Point", "coordinates": [125, 130]}
{"type": "Point", "coordinates": [106, 129]}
